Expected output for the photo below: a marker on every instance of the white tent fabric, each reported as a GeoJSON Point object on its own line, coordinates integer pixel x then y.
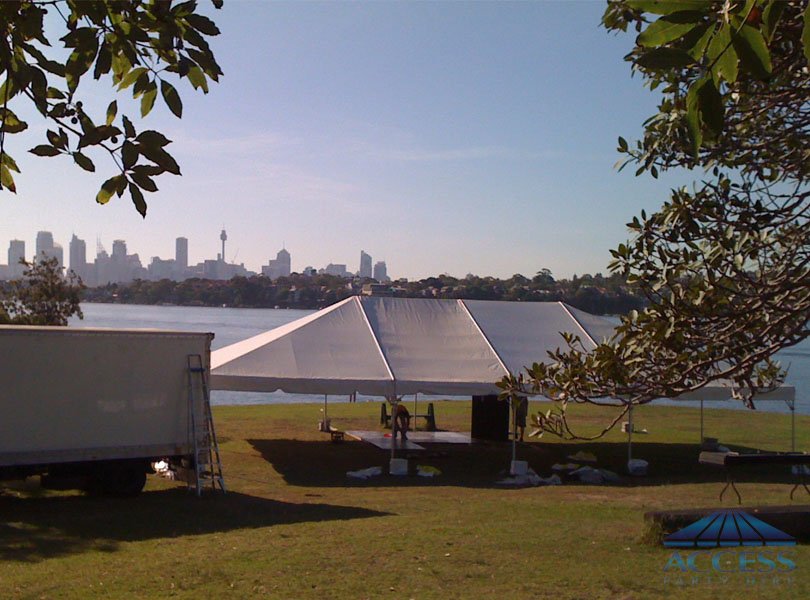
{"type": "Point", "coordinates": [386, 346]}
{"type": "Point", "coordinates": [397, 346]}
{"type": "Point", "coordinates": [328, 352]}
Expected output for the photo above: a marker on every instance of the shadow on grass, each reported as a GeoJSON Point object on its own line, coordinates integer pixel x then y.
{"type": "Point", "coordinates": [33, 529]}
{"type": "Point", "coordinates": [323, 464]}
{"type": "Point", "coordinates": [669, 463]}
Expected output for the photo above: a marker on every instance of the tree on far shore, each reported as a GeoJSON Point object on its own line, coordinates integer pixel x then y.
{"type": "Point", "coordinates": [724, 265]}
{"type": "Point", "coordinates": [43, 296]}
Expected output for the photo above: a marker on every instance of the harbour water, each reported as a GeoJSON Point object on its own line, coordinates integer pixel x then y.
{"type": "Point", "coordinates": [231, 325]}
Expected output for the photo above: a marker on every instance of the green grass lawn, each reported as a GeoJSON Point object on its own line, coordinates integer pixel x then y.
{"type": "Point", "coordinates": [294, 526]}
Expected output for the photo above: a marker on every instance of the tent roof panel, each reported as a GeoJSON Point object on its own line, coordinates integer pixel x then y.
{"type": "Point", "coordinates": [524, 332]}
{"type": "Point", "coordinates": [333, 345]}
{"type": "Point", "coordinates": [597, 328]}
{"type": "Point", "coordinates": [433, 342]}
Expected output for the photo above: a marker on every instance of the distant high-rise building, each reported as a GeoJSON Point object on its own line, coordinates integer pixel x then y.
{"type": "Point", "coordinates": [284, 262]}
{"type": "Point", "coordinates": [365, 265]}
{"type": "Point", "coordinates": [44, 244]}
{"type": "Point", "coordinates": [119, 249]}
{"type": "Point", "coordinates": [16, 252]}
{"type": "Point", "coordinates": [181, 253]}
{"type": "Point", "coordinates": [380, 271]}
{"type": "Point", "coordinates": [47, 249]}
{"type": "Point", "coordinates": [119, 267]}
{"type": "Point", "coordinates": [78, 256]}
{"type": "Point", "coordinates": [59, 255]}
{"type": "Point", "coordinates": [338, 270]}
{"type": "Point", "coordinates": [223, 236]}
{"type": "Point", "coordinates": [280, 266]}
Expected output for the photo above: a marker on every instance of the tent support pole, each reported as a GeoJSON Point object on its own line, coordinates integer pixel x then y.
{"type": "Point", "coordinates": [415, 406]}
{"type": "Point", "coordinates": [394, 405]}
{"type": "Point", "coordinates": [701, 422]}
{"type": "Point", "coordinates": [325, 416]}
{"type": "Point", "coordinates": [629, 436]}
{"type": "Point", "coordinates": [792, 405]}
{"type": "Point", "coordinates": [514, 430]}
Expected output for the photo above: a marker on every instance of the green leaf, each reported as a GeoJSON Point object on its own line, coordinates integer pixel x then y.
{"type": "Point", "coordinates": [131, 77]}
{"type": "Point", "coordinates": [103, 63]}
{"type": "Point", "coordinates": [667, 7]}
{"type": "Point", "coordinates": [112, 110]}
{"type": "Point", "coordinates": [129, 129]}
{"type": "Point", "coordinates": [44, 150]}
{"type": "Point", "coordinates": [55, 139]}
{"type": "Point", "coordinates": [79, 61]}
{"type": "Point", "coordinates": [696, 41]}
{"type": "Point", "coordinates": [108, 188]}
{"type": "Point", "coordinates": [669, 28]}
{"type": "Point", "coordinates": [129, 154]}
{"type": "Point", "coordinates": [5, 159]}
{"type": "Point", "coordinates": [7, 179]}
{"type": "Point", "coordinates": [202, 24]}
{"type": "Point", "coordinates": [195, 39]}
{"type": "Point", "coordinates": [54, 94]}
{"type": "Point", "coordinates": [150, 170]}
{"type": "Point", "coordinates": [806, 33]}
{"type": "Point", "coordinates": [84, 162]}
{"type": "Point", "coordinates": [143, 180]}
{"type": "Point", "coordinates": [197, 78]}
{"type": "Point", "coordinates": [753, 51]}
{"type": "Point", "coordinates": [137, 199]}
{"type": "Point", "coordinates": [622, 144]}
{"type": "Point", "coordinates": [39, 89]}
{"type": "Point", "coordinates": [711, 107]}
{"type": "Point", "coordinates": [11, 123]}
{"type": "Point", "coordinates": [49, 65]}
{"type": "Point", "coordinates": [723, 55]}
{"type": "Point", "coordinates": [693, 116]}
{"type": "Point", "coordinates": [207, 62]}
{"type": "Point", "coordinates": [171, 97]}
{"type": "Point", "coordinates": [665, 58]}
{"type": "Point", "coordinates": [148, 100]}
{"type": "Point", "coordinates": [121, 185]}
{"type": "Point", "coordinates": [152, 138]}
{"type": "Point", "coordinates": [770, 17]}
{"type": "Point", "coordinates": [160, 157]}
{"type": "Point", "coordinates": [142, 84]}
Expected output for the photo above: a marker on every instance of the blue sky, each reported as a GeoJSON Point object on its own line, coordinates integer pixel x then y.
{"type": "Point", "coordinates": [439, 137]}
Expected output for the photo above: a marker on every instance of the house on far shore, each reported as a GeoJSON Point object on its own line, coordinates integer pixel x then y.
{"type": "Point", "coordinates": [377, 289]}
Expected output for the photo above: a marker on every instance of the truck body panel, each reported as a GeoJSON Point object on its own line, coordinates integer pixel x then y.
{"type": "Point", "coordinates": [72, 394]}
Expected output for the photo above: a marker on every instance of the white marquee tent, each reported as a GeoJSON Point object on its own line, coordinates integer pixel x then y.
{"type": "Point", "coordinates": [397, 346]}
{"type": "Point", "coordinates": [400, 346]}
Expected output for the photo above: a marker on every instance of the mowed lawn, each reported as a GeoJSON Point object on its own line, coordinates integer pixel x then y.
{"type": "Point", "coordinates": [294, 526]}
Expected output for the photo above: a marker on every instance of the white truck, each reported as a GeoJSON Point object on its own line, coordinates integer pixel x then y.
{"type": "Point", "coordinates": [94, 409]}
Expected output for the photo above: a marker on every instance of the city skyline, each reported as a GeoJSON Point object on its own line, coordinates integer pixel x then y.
{"type": "Point", "coordinates": [121, 267]}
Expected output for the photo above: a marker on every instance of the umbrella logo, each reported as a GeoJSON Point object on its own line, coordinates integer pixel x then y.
{"type": "Point", "coordinates": [728, 528]}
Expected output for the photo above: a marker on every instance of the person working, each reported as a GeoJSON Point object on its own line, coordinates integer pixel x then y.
{"type": "Point", "coordinates": [402, 420]}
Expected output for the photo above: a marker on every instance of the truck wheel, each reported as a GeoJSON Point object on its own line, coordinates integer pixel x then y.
{"type": "Point", "coordinates": [121, 483]}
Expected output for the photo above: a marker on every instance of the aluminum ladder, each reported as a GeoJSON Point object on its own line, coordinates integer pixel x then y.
{"type": "Point", "coordinates": [207, 462]}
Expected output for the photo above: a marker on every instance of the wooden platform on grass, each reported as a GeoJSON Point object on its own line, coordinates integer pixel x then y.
{"type": "Point", "coordinates": [382, 439]}
{"type": "Point", "coordinates": [793, 519]}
